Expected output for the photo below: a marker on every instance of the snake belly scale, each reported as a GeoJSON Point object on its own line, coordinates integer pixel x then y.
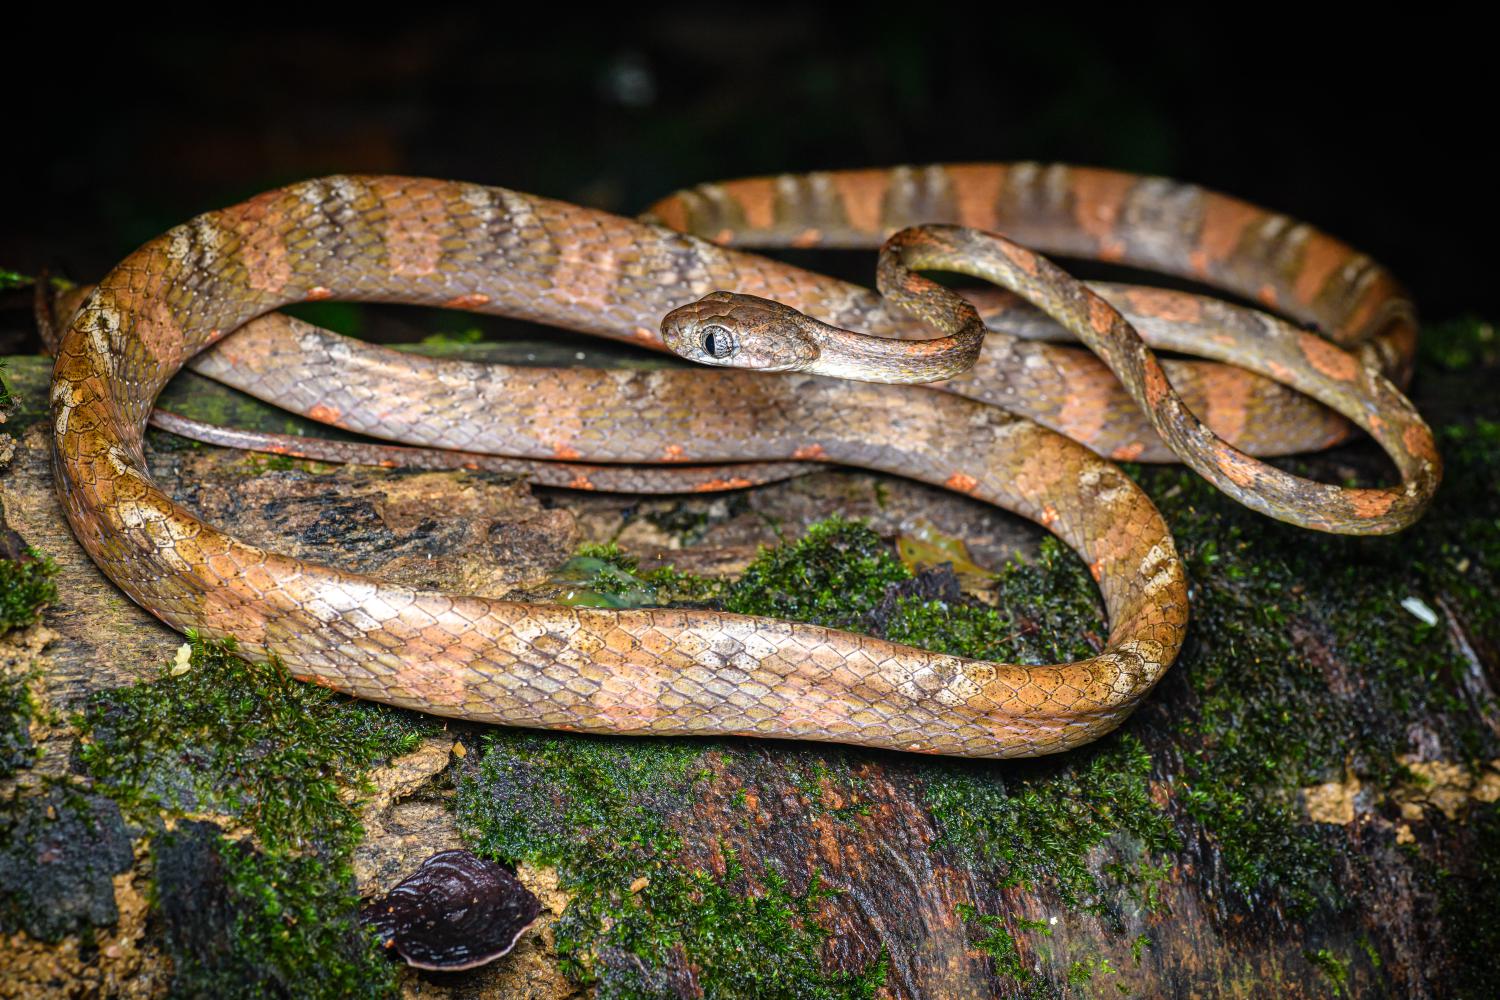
{"type": "Point", "coordinates": [648, 671]}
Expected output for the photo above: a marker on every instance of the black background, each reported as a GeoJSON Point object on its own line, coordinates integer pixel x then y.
{"type": "Point", "coordinates": [1376, 130]}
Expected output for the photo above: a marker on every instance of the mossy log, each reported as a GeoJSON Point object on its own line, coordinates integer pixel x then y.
{"type": "Point", "coordinates": [1305, 807]}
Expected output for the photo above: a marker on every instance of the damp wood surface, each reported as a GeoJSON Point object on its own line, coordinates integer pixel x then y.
{"type": "Point", "coordinates": [1306, 806]}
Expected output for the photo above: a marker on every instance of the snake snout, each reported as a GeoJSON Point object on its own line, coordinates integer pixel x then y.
{"type": "Point", "coordinates": [732, 330]}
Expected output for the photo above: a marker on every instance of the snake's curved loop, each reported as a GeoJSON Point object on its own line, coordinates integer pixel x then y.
{"type": "Point", "coordinates": [658, 671]}
{"type": "Point", "coordinates": [759, 332]}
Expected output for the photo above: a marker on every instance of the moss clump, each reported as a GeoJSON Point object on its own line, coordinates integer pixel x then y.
{"type": "Point", "coordinates": [990, 934]}
{"type": "Point", "coordinates": [1266, 722]}
{"type": "Point", "coordinates": [1460, 344]}
{"type": "Point", "coordinates": [834, 576]}
{"type": "Point", "coordinates": [245, 922]}
{"type": "Point", "coordinates": [27, 585]}
{"type": "Point", "coordinates": [600, 809]}
{"type": "Point", "coordinates": [1334, 969]}
{"type": "Point", "coordinates": [602, 576]}
{"type": "Point", "coordinates": [245, 739]}
{"type": "Point", "coordinates": [7, 401]}
{"type": "Point", "coordinates": [1036, 824]}
{"type": "Point", "coordinates": [14, 279]}
{"type": "Point", "coordinates": [1048, 612]}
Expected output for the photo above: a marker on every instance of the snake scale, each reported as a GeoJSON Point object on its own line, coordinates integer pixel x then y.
{"type": "Point", "coordinates": [661, 671]}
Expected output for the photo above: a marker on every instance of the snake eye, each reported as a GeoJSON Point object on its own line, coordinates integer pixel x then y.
{"type": "Point", "coordinates": [718, 342]}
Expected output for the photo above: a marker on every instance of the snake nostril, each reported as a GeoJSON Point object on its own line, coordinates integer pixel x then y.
{"type": "Point", "coordinates": [718, 342]}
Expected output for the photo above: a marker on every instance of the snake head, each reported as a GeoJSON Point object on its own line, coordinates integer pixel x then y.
{"type": "Point", "coordinates": [730, 330]}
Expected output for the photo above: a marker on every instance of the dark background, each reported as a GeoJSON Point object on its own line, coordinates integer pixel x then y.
{"type": "Point", "coordinates": [1377, 131]}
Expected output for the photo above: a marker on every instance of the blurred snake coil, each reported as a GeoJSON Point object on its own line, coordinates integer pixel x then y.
{"type": "Point", "coordinates": [1024, 428]}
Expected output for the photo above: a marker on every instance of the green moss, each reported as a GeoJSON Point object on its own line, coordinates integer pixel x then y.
{"type": "Point", "coordinates": [1460, 344]}
{"type": "Point", "coordinates": [1266, 722]}
{"type": "Point", "coordinates": [14, 279]}
{"type": "Point", "coordinates": [27, 585]}
{"type": "Point", "coordinates": [291, 930]}
{"type": "Point", "coordinates": [600, 810]}
{"type": "Point", "coordinates": [7, 401]}
{"type": "Point", "coordinates": [1333, 968]}
{"type": "Point", "coordinates": [1048, 612]}
{"type": "Point", "coordinates": [1036, 824]}
{"type": "Point", "coordinates": [602, 576]}
{"type": "Point", "coordinates": [1082, 972]}
{"type": "Point", "coordinates": [834, 576]}
{"type": "Point", "coordinates": [229, 736]}
{"type": "Point", "coordinates": [989, 934]}
{"type": "Point", "coordinates": [453, 338]}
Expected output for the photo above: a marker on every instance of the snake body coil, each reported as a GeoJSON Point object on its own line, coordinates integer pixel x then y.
{"type": "Point", "coordinates": [674, 671]}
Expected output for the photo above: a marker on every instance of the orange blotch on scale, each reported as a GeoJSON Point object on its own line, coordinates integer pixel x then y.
{"type": "Point", "coordinates": [1155, 384]}
{"type": "Point", "coordinates": [1225, 220]}
{"type": "Point", "coordinates": [756, 197]}
{"type": "Point", "coordinates": [1166, 305]}
{"type": "Point", "coordinates": [1267, 294]}
{"type": "Point", "coordinates": [564, 451]}
{"type": "Point", "coordinates": [1240, 470]}
{"type": "Point", "coordinates": [714, 485]}
{"type": "Point", "coordinates": [1020, 256]}
{"type": "Point", "coordinates": [1096, 570]}
{"type": "Point", "coordinates": [1371, 503]}
{"type": "Point", "coordinates": [672, 213]}
{"type": "Point", "coordinates": [1097, 197]}
{"type": "Point", "coordinates": [807, 238]}
{"type": "Point", "coordinates": [1321, 259]}
{"type": "Point", "coordinates": [317, 293]}
{"type": "Point", "coordinates": [644, 334]}
{"type": "Point", "coordinates": [323, 413]}
{"type": "Point", "coordinates": [862, 194]}
{"type": "Point", "coordinates": [1048, 516]}
{"type": "Point", "coordinates": [1418, 441]}
{"type": "Point", "coordinates": [469, 300]}
{"type": "Point", "coordinates": [1102, 315]}
{"type": "Point", "coordinates": [810, 452]}
{"type": "Point", "coordinates": [674, 453]}
{"type": "Point", "coordinates": [962, 482]}
{"type": "Point", "coordinates": [976, 189]}
{"type": "Point", "coordinates": [1331, 361]}
{"type": "Point", "coordinates": [1111, 251]}
{"type": "Point", "coordinates": [1128, 452]}
{"type": "Point", "coordinates": [580, 483]}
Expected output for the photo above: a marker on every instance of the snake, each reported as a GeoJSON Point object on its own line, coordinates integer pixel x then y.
{"type": "Point", "coordinates": [671, 671]}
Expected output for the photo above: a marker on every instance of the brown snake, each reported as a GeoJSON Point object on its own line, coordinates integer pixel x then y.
{"type": "Point", "coordinates": [676, 671]}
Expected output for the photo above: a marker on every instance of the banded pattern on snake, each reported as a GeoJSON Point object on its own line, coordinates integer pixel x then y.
{"type": "Point", "coordinates": [671, 671]}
